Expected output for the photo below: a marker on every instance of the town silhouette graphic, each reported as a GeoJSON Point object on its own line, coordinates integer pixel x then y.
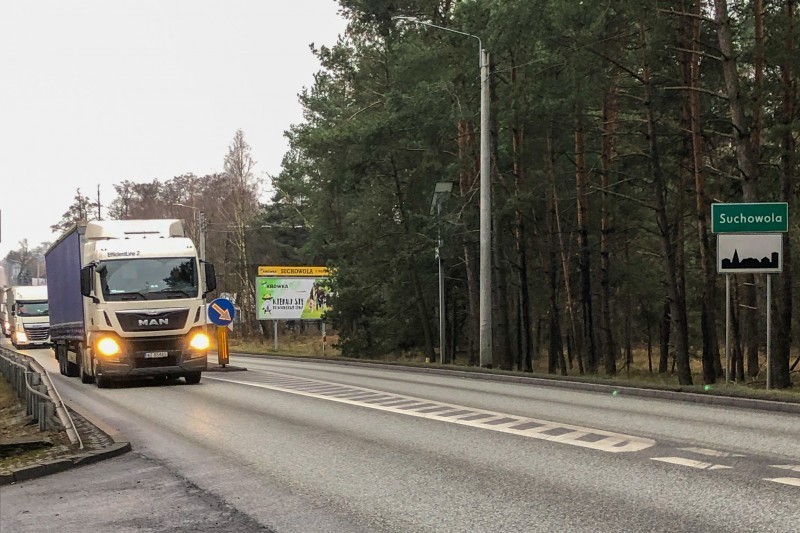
{"type": "Point", "coordinates": [751, 262]}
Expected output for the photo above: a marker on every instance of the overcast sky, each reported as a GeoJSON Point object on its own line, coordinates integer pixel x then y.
{"type": "Point", "coordinates": [100, 91]}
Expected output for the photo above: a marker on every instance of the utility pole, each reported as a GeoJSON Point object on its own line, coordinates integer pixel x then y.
{"type": "Point", "coordinates": [486, 221]}
{"type": "Point", "coordinates": [485, 287]}
{"type": "Point", "coordinates": [202, 230]}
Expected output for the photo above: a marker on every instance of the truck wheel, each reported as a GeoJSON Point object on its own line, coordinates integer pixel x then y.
{"type": "Point", "coordinates": [192, 378]}
{"type": "Point", "coordinates": [85, 378]}
{"type": "Point", "coordinates": [102, 382]}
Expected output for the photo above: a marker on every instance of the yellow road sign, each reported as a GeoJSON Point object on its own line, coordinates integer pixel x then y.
{"type": "Point", "coordinates": [290, 271]}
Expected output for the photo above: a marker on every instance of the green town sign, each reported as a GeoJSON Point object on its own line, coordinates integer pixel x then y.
{"type": "Point", "coordinates": [750, 218]}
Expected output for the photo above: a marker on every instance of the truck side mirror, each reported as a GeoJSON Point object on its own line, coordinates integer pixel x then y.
{"type": "Point", "coordinates": [86, 281]}
{"type": "Point", "coordinates": [211, 278]}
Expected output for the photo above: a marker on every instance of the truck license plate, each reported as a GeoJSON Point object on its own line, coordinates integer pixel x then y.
{"type": "Point", "coordinates": [155, 355]}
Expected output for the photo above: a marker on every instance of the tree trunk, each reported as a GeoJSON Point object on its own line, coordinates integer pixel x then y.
{"type": "Point", "coordinates": [466, 144]}
{"type": "Point", "coordinates": [712, 366]}
{"type": "Point", "coordinates": [665, 331]}
{"type": "Point", "coordinates": [582, 186]}
{"type": "Point", "coordinates": [419, 293]}
{"type": "Point", "coordinates": [745, 140]}
{"type": "Point", "coordinates": [779, 369]}
{"type": "Point", "coordinates": [672, 256]}
{"type": "Point", "coordinates": [555, 359]}
{"type": "Point", "coordinates": [570, 301]}
{"type": "Point", "coordinates": [520, 238]}
{"type": "Point", "coordinates": [607, 157]}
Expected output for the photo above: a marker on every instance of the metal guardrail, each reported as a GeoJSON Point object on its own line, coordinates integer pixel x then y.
{"type": "Point", "coordinates": [33, 386]}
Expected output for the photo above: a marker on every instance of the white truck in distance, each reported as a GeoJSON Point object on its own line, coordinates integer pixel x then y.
{"type": "Point", "coordinates": [128, 301]}
{"type": "Point", "coordinates": [28, 318]}
{"type": "Point", "coordinates": [5, 323]}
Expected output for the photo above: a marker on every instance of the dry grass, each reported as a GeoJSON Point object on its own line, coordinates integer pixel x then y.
{"type": "Point", "coordinates": [14, 423]}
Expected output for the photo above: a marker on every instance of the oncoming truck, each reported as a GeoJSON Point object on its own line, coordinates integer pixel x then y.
{"type": "Point", "coordinates": [128, 301]}
{"type": "Point", "coordinates": [27, 315]}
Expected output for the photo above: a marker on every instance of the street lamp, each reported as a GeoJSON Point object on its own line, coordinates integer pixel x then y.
{"type": "Point", "coordinates": [485, 307]}
{"type": "Point", "coordinates": [440, 194]}
{"type": "Point", "coordinates": [201, 224]}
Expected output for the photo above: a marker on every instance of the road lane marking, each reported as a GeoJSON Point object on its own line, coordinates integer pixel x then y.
{"type": "Point", "coordinates": [711, 453]}
{"type": "Point", "coordinates": [793, 481]}
{"type": "Point", "coordinates": [794, 468]}
{"type": "Point", "coordinates": [583, 437]}
{"type": "Point", "coordinates": [690, 463]}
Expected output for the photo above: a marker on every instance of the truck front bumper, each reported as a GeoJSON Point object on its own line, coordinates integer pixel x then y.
{"type": "Point", "coordinates": [136, 366]}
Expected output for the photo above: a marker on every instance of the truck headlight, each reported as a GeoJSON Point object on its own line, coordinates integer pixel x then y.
{"type": "Point", "coordinates": [108, 346]}
{"type": "Point", "coordinates": [199, 341]}
{"type": "Point", "coordinates": [21, 337]}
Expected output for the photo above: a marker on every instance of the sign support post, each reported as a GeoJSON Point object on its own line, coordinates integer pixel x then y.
{"type": "Point", "coordinates": [222, 346]}
{"type": "Point", "coordinates": [769, 332]}
{"type": "Point", "coordinates": [727, 328]}
{"type": "Point", "coordinates": [221, 313]}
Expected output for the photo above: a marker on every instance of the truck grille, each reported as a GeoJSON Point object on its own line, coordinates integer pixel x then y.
{"type": "Point", "coordinates": [37, 334]}
{"type": "Point", "coordinates": [161, 321]}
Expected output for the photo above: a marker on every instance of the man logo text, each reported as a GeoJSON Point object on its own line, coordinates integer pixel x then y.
{"type": "Point", "coordinates": [154, 322]}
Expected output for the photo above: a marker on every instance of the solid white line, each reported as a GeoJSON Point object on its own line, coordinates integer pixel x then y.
{"type": "Point", "coordinates": [795, 482]}
{"type": "Point", "coordinates": [690, 463]}
{"type": "Point", "coordinates": [607, 441]}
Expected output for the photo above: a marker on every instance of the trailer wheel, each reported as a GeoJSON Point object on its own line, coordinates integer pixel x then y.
{"type": "Point", "coordinates": [70, 368]}
{"type": "Point", "coordinates": [192, 378]}
{"type": "Point", "coordinates": [60, 357]}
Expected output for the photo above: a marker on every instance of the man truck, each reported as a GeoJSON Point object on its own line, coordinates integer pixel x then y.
{"type": "Point", "coordinates": [128, 301]}
{"type": "Point", "coordinates": [27, 316]}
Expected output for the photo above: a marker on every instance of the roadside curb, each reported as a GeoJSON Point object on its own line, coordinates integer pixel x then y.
{"type": "Point", "coordinates": [60, 465]}
{"type": "Point", "coordinates": [622, 390]}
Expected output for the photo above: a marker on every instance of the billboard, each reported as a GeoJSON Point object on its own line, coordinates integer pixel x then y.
{"type": "Point", "coordinates": [292, 298]}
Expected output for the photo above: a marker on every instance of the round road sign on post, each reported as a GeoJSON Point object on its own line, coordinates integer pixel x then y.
{"type": "Point", "coordinates": [221, 312]}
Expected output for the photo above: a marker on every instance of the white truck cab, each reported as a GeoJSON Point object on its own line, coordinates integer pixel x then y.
{"type": "Point", "coordinates": [28, 316]}
{"type": "Point", "coordinates": [129, 301]}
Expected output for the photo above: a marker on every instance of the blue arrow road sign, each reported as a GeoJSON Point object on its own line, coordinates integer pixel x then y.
{"type": "Point", "coordinates": [221, 312]}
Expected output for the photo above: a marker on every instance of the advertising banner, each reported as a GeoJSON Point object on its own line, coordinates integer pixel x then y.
{"type": "Point", "coordinates": [290, 298]}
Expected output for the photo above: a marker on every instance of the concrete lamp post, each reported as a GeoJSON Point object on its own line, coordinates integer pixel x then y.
{"type": "Point", "coordinates": [485, 307]}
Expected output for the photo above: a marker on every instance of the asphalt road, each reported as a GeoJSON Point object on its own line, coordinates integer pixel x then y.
{"type": "Point", "coordinates": [305, 447]}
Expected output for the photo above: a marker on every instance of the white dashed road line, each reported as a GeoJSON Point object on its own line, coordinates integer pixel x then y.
{"type": "Point", "coordinates": [710, 453]}
{"type": "Point", "coordinates": [794, 468]}
{"type": "Point", "coordinates": [793, 481]}
{"type": "Point", "coordinates": [690, 463]}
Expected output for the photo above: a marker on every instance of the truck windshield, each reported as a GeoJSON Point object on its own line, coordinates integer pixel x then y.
{"type": "Point", "coordinates": [148, 279]}
{"type": "Point", "coordinates": [37, 308]}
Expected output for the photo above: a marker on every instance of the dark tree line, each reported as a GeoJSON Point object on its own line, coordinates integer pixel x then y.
{"type": "Point", "coordinates": [614, 127]}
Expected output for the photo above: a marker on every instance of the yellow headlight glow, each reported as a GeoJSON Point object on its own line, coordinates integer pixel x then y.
{"type": "Point", "coordinates": [108, 346]}
{"type": "Point", "coordinates": [199, 341]}
{"type": "Point", "coordinates": [21, 337]}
